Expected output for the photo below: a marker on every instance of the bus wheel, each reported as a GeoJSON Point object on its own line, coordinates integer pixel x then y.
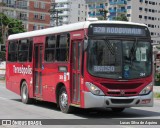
{"type": "Point", "coordinates": [117, 109]}
{"type": "Point", "coordinates": [63, 101]}
{"type": "Point", "coordinates": [24, 93]}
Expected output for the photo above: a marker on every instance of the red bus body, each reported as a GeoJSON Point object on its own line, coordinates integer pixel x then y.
{"type": "Point", "coordinates": [44, 79]}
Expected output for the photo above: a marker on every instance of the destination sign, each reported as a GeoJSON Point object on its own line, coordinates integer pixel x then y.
{"type": "Point", "coordinates": [119, 31]}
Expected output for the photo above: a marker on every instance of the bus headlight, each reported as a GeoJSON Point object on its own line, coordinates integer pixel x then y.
{"type": "Point", "coordinates": [94, 89]}
{"type": "Point", "coordinates": [147, 89]}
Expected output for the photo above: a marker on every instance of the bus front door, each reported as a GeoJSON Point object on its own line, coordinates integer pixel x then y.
{"type": "Point", "coordinates": [76, 71]}
{"type": "Point", "coordinates": [38, 54]}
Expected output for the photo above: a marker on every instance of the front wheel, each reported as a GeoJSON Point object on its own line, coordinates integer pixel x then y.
{"type": "Point", "coordinates": [24, 93]}
{"type": "Point", "coordinates": [117, 109]}
{"type": "Point", "coordinates": [63, 101]}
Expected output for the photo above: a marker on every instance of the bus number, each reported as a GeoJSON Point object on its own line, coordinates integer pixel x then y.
{"type": "Point", "coordinates": [99, 29]}
{"type": "Point", "coordinates": [142, 74]}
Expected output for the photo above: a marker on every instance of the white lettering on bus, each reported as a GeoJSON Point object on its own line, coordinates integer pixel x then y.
{"type": "Point", "coordinates": [22, 70]}
{"type": "Point", "coordinates": [104, 68]}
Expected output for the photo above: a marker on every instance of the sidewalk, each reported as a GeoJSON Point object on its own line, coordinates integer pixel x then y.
{"type": "Point", "coordinates": [2, 81]}
{"type": "Point", "coordinates": [156, 89]}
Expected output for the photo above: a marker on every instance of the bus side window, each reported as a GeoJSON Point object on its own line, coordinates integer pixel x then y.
{"type": "Point", "coordinates": [50, 45]}
{"type": "Point", "coordinates": [30, 49]}
{"type": "Point", "coordinates": [23, 50]}
{"type": "Point", "coordinates": [62, 48]}
{"type": "Point", "coordinates": [12, 51]}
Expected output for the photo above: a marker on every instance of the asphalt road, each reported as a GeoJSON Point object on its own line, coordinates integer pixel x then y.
{"type": "Point", "coordinates": [11, 107]}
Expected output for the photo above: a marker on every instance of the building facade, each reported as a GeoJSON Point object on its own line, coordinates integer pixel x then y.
{"type": "Point", "coordinates": [69, 11]}
{"type": "Point", "coordinates": [34, 14]}
{"type": "Point", "coordinates": [140, 11]}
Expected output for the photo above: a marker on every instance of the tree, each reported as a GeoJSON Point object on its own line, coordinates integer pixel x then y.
{"type": "Point", "coordinates": [122, 17]}
{"type": "Point", "coordinates": [103, 12]}
{"type": "Point", "coordinates": [9, 26]}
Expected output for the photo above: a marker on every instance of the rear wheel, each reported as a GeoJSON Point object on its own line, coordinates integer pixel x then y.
{"type": "Point", "coordinates": [63, 101]}
{"type": "Point", "coordinates": [24, 93]}
{"type": "Point", "coordinates": [117, 109]}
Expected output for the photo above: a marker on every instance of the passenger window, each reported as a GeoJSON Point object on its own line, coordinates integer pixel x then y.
{"type": "Point", "coordinates": [50, 48]}
{"type": "Point", "coordinates": [30, 49]}
{"type": "Point", "coordinates": [12, 51]}
{"type": "Point", "coordinates": [23, 50]}
{"type": "Point", "coordinates": [62, 49]}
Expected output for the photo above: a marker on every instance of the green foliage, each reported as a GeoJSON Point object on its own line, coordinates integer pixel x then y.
{"type": "Point", "coordinates": [157, 95]}
{"type": "Point", "coordinates": [103, 13]}
{"type": "Point", "coordinates": [9, 26]}
{"type": "Point", "coordinates": [122, 17]}
{"type": "Point", "coordinates": [2, 56]}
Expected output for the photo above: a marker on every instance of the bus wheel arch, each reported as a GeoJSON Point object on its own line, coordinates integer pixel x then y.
{"type": "Point", "coordinates": [62, 98]}
{"type": "Point", "coordinates": [24, 91]}
{"type": "Point", "coordinates": [58, 88]}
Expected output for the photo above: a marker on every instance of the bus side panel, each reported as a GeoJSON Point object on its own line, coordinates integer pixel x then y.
{"type": "Point", "coordinates": [16, 73]}
{"type": "Point", "coordinates": [51, 78]}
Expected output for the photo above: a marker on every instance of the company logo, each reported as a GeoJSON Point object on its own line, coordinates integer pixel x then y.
{"type": "Point", "coordinates": [122, 92]}
{"type": "Point", "coordinates": [22, 70]}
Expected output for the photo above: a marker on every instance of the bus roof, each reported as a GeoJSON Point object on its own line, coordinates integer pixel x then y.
{"type": "Point", "coordinates": [66, 28]}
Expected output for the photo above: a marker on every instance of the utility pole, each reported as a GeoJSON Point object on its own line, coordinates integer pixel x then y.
{"type": "Point", "coordinates": [54, 13]}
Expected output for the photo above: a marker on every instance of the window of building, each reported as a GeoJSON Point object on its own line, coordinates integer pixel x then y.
{"type": "Point", "coordinates": [128, 7]}
{"type": "Point", "coordinates": [140, 8]}
{"type": "Point", "coordinates": [146, 9]}
{"type": "Point", "coordinates": [152, 33]}
{"type": "Point", "coordinates": [35, 15]}
{"type": "Point", "coordinates": [146, 2]}
{"type": "Point", "coordinates": [35, 27]}
{"type": "Point", "coordinates": [41, 27]}
{"type": "Point", "coordinates": [43, 5]}
{"type": "Point", "coordinates": [36, 4]}
{"type": "Point", "coordinates": [140, 16]}
{"type": "Point", "coordinates": [42, 17]}
{"type": "Point", "coordinates": [141, 1]}
{"type": "Point", "coordinates": [128, 15]}
{"type": "Point", "coordinates": [145, 17]}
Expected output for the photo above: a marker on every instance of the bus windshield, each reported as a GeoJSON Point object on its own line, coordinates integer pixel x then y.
{"type": "Point", "coordinates": [119, 58]}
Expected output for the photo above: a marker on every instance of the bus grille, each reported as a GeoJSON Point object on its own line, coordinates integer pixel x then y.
{"type": "Point", "coordinates": [129, 89]}
{"type": "Point", "coordinates": [118, 93]}
{"type": "Point", "coordinates": [121, 86]}
{"type": "Point", "coordinates": [122, 101]}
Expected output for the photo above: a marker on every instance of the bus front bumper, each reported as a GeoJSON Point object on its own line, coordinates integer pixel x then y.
{"type": "Point", "coordinates": [94, 101]}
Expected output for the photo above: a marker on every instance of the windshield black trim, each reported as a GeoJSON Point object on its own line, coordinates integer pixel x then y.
{"type": "Point", "coordinates": [128, 39]}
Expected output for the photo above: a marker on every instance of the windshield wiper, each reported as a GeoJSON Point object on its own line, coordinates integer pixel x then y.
{"type": "Point", "coordinates": [132, 51]}
{"type": "Point", "coordinates": [109, 46]}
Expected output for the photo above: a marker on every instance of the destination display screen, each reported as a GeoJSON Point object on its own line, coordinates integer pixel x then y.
{"type": "Point", "coordinates": [120, 30]}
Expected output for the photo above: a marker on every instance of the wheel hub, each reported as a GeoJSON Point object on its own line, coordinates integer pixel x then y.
{"type": "Point", "coordinates": [64, 99]}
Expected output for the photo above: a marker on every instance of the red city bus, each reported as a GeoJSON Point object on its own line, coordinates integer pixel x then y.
{"type": "Point", "coordinates": [92, 64]}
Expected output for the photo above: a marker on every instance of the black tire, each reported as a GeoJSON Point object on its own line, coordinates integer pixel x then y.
{"type": "Point", "coordinates": [24, 93]}
{"type": "Point", "coordinates": [117, 109]}
{"type": "Point", "coordinates": [63, 101]}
